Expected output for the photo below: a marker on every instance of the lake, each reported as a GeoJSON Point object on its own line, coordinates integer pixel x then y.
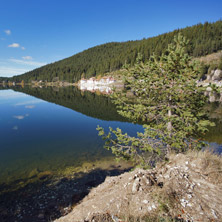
{"type": "Point", "coordinates": [50, 151]}
{"type": "Point", "coordinates": [54, 128]}
{"type": "Point", "coordinates": [54, 132]}
{"type": "Point", "coordinates": [50, 129]}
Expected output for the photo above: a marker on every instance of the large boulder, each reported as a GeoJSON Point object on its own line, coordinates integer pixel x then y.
{"type": "Point", "coordinates": [217, 75]}
{"type": "Point", "coordinates": [209, 76]}
{"type": "Point", "coordinates": [212, 97]}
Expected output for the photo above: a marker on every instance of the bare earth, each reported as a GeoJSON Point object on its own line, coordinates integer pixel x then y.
{"type": "Point", "coordinates": [188, 187]}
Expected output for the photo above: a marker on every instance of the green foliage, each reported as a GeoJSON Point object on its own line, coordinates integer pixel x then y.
{"type": "Point", "coordinates": [212, 67]}
{"type": "Point", "coordinates": [167, 100]}
{"type": "Point", "coordinates": [204, 69]}
{"type": "Point", "coordinates": [220, 64]}
{"type": "Point", "coordinates": [204, 39]}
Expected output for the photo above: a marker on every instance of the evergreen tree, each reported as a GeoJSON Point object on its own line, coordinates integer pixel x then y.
{"type": "Point", "coordinates": [166, 98]}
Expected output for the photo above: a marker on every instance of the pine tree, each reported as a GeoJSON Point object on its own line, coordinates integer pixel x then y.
{"type": "Point", "coordinates": [168, 102]}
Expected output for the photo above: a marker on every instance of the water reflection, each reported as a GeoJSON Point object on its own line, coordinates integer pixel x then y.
{"type": "Point", "coordinates": [39, 136]}
{"type": "Point", "coordinates": [50, 129]}
{"type": "Point", "coordinates": [214, 135]}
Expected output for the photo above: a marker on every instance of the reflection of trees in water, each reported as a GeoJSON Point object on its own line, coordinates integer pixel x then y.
{"type": "Point", "coordinates": [215, 113]}
{"type": "Point", "coordinates": [101, 107]}
{"type": "Point", "coordinates": [90, 104]}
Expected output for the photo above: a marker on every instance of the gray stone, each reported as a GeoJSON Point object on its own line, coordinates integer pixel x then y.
{"type": "Point", "coordinates": [212, 97]}
{"type": "Point", "coordinates": [208, 77]}
{"type": "Point", "coordinates": [217, 75]}
{"type": "Point", "coordinates": [135, 187]}
{"type": "Point", "coordinates": [208, 89]}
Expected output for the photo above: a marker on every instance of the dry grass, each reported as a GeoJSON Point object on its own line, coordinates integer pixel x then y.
{"type": "Point", "coordinates": [148, 218]}
{"type": "Point", "coordinates": [210, 164]}
{"type": "Point", "coordinates": [207, 162]}
{"type": "Point", "coordinates": [211, 58]}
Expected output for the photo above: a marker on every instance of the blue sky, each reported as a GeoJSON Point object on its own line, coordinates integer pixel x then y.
{"type": "Point", "coordinates": [38, 32]}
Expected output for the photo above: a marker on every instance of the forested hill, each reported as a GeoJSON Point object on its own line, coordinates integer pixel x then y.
{"type": "Point", "coordinates": [204, 39]}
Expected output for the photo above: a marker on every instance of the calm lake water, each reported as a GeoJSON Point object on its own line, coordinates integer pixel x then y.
{"type": "Point", "coordinates": [42, 135]}
{"type": "Point", "coordinates": [51, 129]}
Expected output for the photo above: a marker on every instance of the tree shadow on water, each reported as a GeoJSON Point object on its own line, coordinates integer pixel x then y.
{"type": "Point", "coordinates": [51, 198]}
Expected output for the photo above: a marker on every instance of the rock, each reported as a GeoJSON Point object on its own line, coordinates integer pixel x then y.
{"type": "Point", "coordinates": [208, 77]}
{"type": "Point", "coordinates": [208, 89]}
{"type": "Point", "coordinates": [212, 72]}
{"type": "Point", "coordinates": [212, 97]}
{"type": "Point", "coordinates": [145, 201]}
{"type": "Point", "coordinates": [136, 185]}
{"type": "Point", "coordinates": [217, 75]}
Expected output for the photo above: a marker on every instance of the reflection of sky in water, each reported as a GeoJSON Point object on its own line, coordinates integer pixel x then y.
{"type": "Point", "coordinates": [10, 94]}
{"type": "Point", "coordinates": [38, 134]}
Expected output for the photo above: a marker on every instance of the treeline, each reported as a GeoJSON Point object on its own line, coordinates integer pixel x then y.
{"type": "Point", "coordinates": [204, 39]}
{"type": "Point", "coordinates": [86, 102]}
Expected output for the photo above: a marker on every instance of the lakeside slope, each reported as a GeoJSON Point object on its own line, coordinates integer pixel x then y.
{"type": "Point", "coordinates": [186, 188]}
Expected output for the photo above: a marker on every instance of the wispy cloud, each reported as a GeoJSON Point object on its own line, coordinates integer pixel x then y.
{"type": "Point", "coordinates": [11, 71]}
{"type": "Point", "coordinates": [27, 57]}
{"type": "Point", "coordinates": [30, 63]}
{"type": "Point", "coordinates": [30, 107]}
{"type": "Point", "coordinates": [28, 103]}
{"type": "Point", "coordinates": [14, 45]}
{"type": "Point", "coordinates": [9, 94]}
{"type": "Point", "coordinates": [19, 117]}
{"type": "Point", "coordinates": [8, 32]}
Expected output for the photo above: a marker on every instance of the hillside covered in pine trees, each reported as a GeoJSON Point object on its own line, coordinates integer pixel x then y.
{"type": "Point", "coordinates": [204, 39]}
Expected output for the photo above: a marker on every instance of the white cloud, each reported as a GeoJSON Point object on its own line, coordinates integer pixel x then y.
{"type": "Point", "coordinates": [30, 63]}
{"type": "Point", "coordinates": [8, 32]}
{"type": "Point", "coordinates": [19, 117]}
{"type": "Point", "coordinates": [28, 103]}
{"type": "Point", "coordinates": [11, 71]}
{"type": "Point", "coordinates": [27, 57]}
{"type": "Point", "coordinates": [30, 107]}
{"type": "Point", "coordinates": [9, 94]}
{"type": "Point", "coordinates": [14, 45]}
